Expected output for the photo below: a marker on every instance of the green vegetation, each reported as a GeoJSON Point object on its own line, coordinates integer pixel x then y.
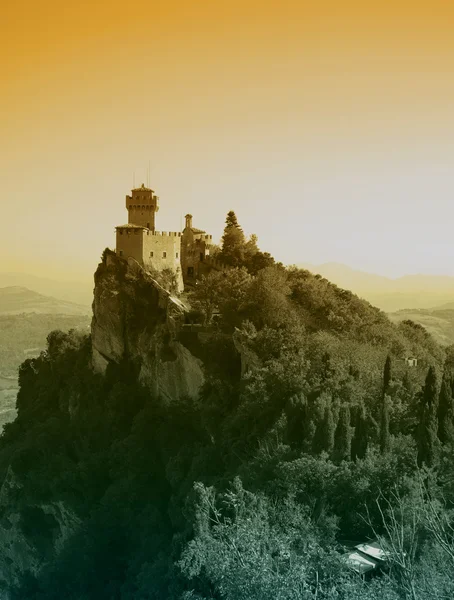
{"type": "Point", "coordinates": [25, 334]}
{"type": "Point", "coordinates": [439, 322]}
{"type": "Point", "coordinates": [246, 493]}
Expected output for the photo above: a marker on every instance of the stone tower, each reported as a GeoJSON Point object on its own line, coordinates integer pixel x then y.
{"type": "Point", "coordinates": [142, 207]}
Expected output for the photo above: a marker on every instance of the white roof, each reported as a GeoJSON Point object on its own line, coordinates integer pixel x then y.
{"type": "Point", "coordinates": [372, 550]}
{"type": "Point", "coordinates": [360, 563]}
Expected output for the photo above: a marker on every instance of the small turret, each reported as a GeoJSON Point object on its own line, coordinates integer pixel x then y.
{"type": "Point", "coordinates": [188, 222]}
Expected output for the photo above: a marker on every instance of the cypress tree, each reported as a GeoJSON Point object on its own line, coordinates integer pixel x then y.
{"type": "Point", "coordinates": [360, 440]}
{"type": "Point", "coordinates": [426, 433]}
{"type": "Point", "coordinates": [327, 370]}
{"type": "Point", "coordinates": [343, 436]}
{"type": "Point", "coordinates": [384, 425]}
{"type": "Point", "coordinates": [387, 375]}
{"type": "Point", "coordinates": [233, 241]}
{"type": "Point", "coordinates": [445, 412]}
{"type": "Point", "coordinates": [324, 434]}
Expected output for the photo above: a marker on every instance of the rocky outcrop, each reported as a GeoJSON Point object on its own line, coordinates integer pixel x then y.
{"type": "Point", "coordinates": [135, 319]}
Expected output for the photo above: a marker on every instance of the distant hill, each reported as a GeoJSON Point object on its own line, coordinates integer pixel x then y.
{"type": "Point", "coordinates": [15, 300]}
{"type": "Point", "coordinates": [409, 291]}
{"type": "Point", "coordinates": [447, 306]}
{"type": "Point", "coordinates": [79, 292]}
{"type": "Point", "coordinates": [26, 319]}
{"type": "Point", "coordinates": [24, 336]}
{"type": "Point", "coordinates": [438, 322]}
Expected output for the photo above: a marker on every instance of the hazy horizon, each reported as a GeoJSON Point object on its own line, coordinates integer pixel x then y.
{"type": "Point", "coordinates": [327, 127]}
{"type": "Point", "coordinates": [83, 276]}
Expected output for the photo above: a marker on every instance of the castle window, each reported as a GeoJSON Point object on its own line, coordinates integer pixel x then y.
{"type": "Point", "coordinates": [151, 254]}
{"type": "Point", "coordinates": [148, 225]}
{"type": "Point", "coordinates": [164, 255]}
{"type": "Point", "coordinates": [190, 271]}
{"type": "Point", "coordinates": [202, 256]}
{"type": "Point", "coordinates": [177, 255]}
{"type": "Point", "coordinates": [121, 252]}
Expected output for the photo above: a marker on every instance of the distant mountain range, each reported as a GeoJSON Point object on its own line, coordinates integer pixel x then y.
{"type": "Point", "coordinates": [15, 300]}
{"type": "Point", "coordinates": [78, 292]}
{"type": "Point", "coordinates": [409, 291]}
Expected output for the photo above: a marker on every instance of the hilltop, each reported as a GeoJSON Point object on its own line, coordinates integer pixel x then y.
{"type": "Point", "coordinates": [121, 435]}
{"type": "Point", "coordinates": [406, 292]}
{"type": "Point", "coordinates": [78, 292]}
{"type": "Point", "coordinates": [439, 322]}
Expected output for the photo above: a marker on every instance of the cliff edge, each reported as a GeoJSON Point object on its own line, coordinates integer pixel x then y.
{"type": "Point", "coordinates": [136, 320]}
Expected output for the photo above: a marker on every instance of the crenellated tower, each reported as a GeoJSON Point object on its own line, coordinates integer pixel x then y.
{"type": "Point", "coordinates": [142, 207]}
{"type": "Point", "coordinates": [186, 254]}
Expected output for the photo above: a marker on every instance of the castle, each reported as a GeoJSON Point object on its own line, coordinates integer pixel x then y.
{"type": "Point", "coordinates": [186, 253]}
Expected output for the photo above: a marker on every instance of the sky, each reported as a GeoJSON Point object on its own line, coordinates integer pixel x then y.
{"type": "Point", "coordinates": [327, 126]}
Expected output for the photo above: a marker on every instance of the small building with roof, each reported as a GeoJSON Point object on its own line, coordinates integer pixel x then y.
{"type": "Point", "coordinates": [367, 558]}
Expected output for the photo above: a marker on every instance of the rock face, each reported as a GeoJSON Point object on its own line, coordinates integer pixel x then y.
{"type": "Point", "coordinates": [137, 320]}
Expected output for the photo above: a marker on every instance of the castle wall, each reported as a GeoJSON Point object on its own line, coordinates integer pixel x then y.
{"type": "Point", "coordinates": [151, 249]}
{"type": "Point", "coordinates": [162, 250]}
{"type": "Point", "coordinates": [185, 254]}
{"type": "Point", "coordinates": [129, 242]}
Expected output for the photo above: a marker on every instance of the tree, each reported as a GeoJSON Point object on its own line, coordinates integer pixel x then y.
{"type": "Point", "coordinates": [248, 548]}
{"type": "Point", "coordinates": [205, 296]}
{"type": "Point", "coordinates": [360, 440]}
{"type": "Point", "coordinates": [445, 412]}
{"type": "Point", "coordinates": [233, 242]}
{"type": "Point", "coordinates": [343, 436]}
{"type": "Point", "coordinates": [384, 424]}
{"type": "Point", "coordinates": [251, 248]}
{"type": "Point", "coordinates": [259, 261]}
{"type": "Point", "coordinates": [324, 434]}
{"type": "Point", "coordinates": [269, 298]}
{"type": "Point", "coordinates": [426, 433]}
{"type": "Point", "coordinates": [387, 375]}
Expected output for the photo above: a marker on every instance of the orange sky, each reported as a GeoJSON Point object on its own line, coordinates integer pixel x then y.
{"type": "Point", "coordinates": [327, 126]}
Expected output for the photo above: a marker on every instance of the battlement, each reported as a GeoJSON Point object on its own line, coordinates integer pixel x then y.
{"type": "Point", "coordinates": [182, 252]}
{"type": "Point", "coordinates": [165, 233]}
{"type": "Point", "coordinates": [207, 239]}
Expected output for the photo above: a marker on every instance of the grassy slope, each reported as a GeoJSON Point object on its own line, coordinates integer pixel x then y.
{"type": "Point", "coordinates": [439, 323]}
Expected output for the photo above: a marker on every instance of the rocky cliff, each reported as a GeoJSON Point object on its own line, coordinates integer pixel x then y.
{"type": "Point", "coordinates": [136, 319]}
